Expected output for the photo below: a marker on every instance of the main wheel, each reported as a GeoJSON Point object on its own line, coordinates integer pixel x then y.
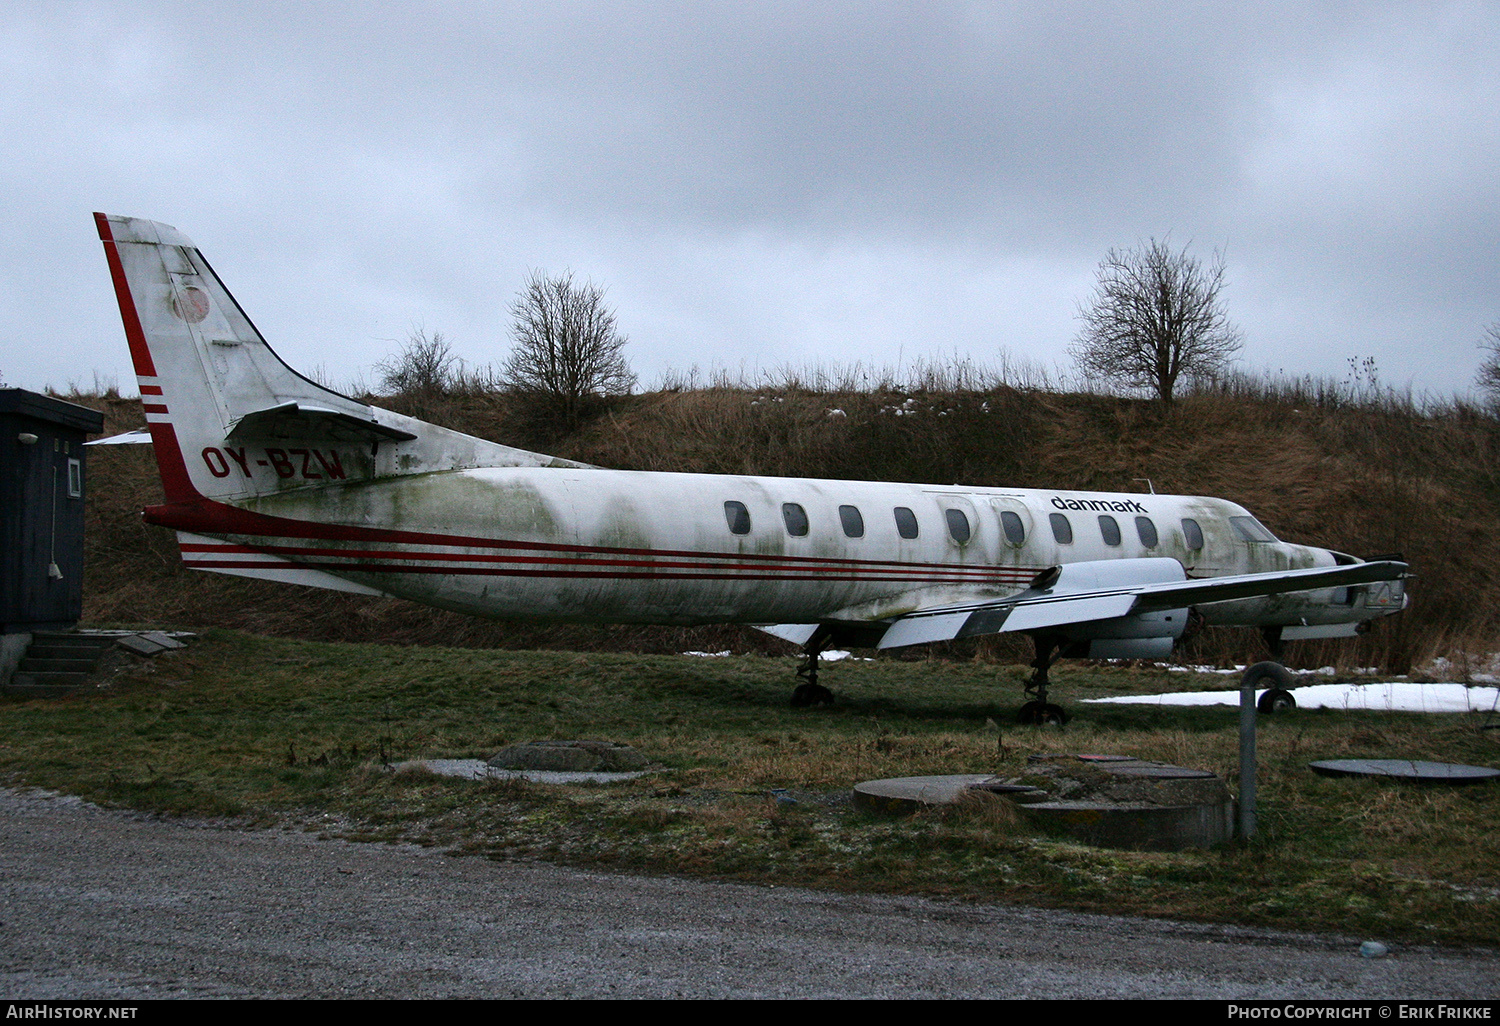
{"type": "Point", "coordinates": [811, 694]}
{"type": "Point", "coordinates": [1042, 714]}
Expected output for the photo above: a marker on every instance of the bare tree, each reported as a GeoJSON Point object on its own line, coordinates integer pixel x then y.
{"type": "Point", "coordinates": [567, 353]}
{"type": "Point", "coordinates": [1155, 315]}
{"type": "Point", "coordinates": [423, 369]}
{"type": "Point", "coordinates": [1488, 378]}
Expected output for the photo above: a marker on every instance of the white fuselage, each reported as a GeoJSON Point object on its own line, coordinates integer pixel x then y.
{"type": "Point", "coordinates": [622, 546]}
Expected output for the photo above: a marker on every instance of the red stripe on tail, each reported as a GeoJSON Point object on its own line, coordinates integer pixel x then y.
{"type": "Point", "coordinates": [140, 355]}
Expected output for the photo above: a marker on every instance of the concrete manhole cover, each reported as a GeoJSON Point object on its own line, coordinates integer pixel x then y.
{"type": "Point", "coordinates": [1405, 769]}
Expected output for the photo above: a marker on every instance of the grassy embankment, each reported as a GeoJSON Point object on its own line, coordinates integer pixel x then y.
{"type": "Point", "coordinates": [285, 731]}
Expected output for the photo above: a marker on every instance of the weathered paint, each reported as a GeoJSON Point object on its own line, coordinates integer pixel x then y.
{"type": "Point", "coordinates": [269, 474]}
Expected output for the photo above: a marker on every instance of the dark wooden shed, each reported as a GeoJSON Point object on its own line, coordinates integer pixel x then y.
{"type": "Point", "coordinates": [42, 484]}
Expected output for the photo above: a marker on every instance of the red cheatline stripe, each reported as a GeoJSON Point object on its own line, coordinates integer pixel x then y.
{"type": "Point", "coordinates": [956, 572]}
{"type": "Point", "coordinates": [386, 568]}
{"type": "Point", "coordinates": [885, 571]}
{"type": "Point", "coordinates": [153, 408]}
{"type": "Point", "coordinates": [150, 390]}
{"type": "Point", "coordinates": [208, 517]}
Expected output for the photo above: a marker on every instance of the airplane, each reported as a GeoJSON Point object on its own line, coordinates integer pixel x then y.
{"type": "Point", "coordinates": [267, 474]}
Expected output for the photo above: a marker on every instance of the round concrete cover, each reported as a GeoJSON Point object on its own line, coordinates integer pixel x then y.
{"type": "Point", "coordinates": [1161, 772]}
{"type": "Point", "coordinates": [1406, 769]}
{"type": "Point", "coordinates": [905, 794]}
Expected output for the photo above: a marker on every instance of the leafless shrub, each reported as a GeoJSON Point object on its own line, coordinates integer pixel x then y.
{"type": "Point", "coordinates": [1155, 315]}
{"type": "Point", "coordinates": [425, 367]}
{"type": "Point", "coordinates": [567, 354]}
{"type": "Point", "coordinates": [1488, 378]}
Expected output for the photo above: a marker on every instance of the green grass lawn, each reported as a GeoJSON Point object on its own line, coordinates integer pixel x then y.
{"type": "Point", "coordinates": [274, 731]}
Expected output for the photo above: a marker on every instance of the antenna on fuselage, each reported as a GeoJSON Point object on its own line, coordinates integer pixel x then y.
{"type": "Point", "coordinates": [1149, 485]}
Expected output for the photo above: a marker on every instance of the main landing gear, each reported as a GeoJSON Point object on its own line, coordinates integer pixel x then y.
{"type": "Point", "coordinates": [1038, 710]}
{"type": "Point", "coordinates": [810, 692]}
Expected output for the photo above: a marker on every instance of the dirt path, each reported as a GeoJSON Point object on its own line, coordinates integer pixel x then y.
{"type": "Point", "coordinates": [104, 904]}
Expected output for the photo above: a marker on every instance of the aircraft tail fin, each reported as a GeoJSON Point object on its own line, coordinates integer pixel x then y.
{"type": "Point", "coordinates": [230, 420]}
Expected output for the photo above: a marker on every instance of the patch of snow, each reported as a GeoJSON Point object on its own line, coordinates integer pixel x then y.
{"type": "Point", "coordinates": [710, 655]}
{"type": "Point", "coordinates": [1392, 697]}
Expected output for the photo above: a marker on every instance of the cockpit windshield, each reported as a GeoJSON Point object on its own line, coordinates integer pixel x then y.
{"type": "Point", "coordinates": [1251, 530]}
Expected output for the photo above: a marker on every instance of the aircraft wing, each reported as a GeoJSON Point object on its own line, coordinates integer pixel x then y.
{"type": "Point", "coordinates": [1083, 592]}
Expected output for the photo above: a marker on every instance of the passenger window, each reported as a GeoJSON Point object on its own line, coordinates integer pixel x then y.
{"type": "Point", "coordinates": [958, 525]}
{"type": "Point", "coordinates": [796, 519]}
{"type": "Point", "coordinates": [1147, 530]}
{"type": "Point", "coordinates": [906, 522]}
{"type": "Point", "coordinates": [738, 517]}
{"type": "Point", "coordinates": [1015, 531]}
{"type": "Point", "coordinates": [1109, 527]}
{"type": "Point", "coordinates": [1061, 529]}
{"type": "Point", "coordinates": [854, 524]}
{"type": "Point", "coordinates": [1193, 533]}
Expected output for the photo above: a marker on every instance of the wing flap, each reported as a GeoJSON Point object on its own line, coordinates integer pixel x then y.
{"type": "Point", "coordinates": [919, 630]}
{"type": "Point", "coordinates": [1036, 615]}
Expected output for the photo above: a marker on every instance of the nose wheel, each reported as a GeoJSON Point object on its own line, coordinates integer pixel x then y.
{"type": "Point", "coordinates": [1278, 683]}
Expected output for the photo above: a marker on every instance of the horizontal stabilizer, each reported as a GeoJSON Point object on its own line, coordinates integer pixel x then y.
{"type": "Point", "coordinates": [136, 436]}
{"type": "Point", "coordinates": [294, 420]}
{"type": "Point", "coordinates": [221, 557]}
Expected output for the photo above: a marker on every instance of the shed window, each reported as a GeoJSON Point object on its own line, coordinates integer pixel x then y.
{"type": "Point", "coordinates": [1061, 529]}
{"type": "Point", "coordinates": [854, 524]}
{"type": "Point", "coordinates": [1192, 533]}
{"type": "Point", "coordinates": [906, 522]}
{"type": "Point", "coordinates": [1109, 527]}
{"type": "Point", "coordinates": [738, 517]}
{"type": "Point", "coordinates": [1015, 531]}
{"type": "Point", "coordinates": [796, 519]}
{"type": "Point", "coordinates": [75, 479]}
{"type": "Point", "coordinates": [1147, 530]}
{"type": "Point", "coordinates": [958, 525]}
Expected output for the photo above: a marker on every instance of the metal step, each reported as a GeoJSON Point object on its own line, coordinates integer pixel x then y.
{"type": "Point", "coordinates": [41, 684]}
{"type": "Point", "coordinates": [32, 665]}
{"type": "Point", "coordinates": [50, 651]}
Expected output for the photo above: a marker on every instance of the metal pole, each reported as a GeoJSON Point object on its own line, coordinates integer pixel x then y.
{"type": "Point", "coordinates": [1247, 761]}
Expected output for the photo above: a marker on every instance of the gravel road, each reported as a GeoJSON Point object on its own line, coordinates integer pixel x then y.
{"type": "Point", "coordinates": [97, 903]}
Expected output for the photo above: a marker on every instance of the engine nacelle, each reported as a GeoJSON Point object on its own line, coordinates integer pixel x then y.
{"type": "Point", "coordinates": [1137, 636]}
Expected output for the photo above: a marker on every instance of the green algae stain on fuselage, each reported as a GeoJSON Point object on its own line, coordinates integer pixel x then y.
{"type": "Point", "coordinates": [457, 502]}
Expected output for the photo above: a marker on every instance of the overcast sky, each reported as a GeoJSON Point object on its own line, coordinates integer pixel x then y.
{"type": "Point", "coordinates": [758, 184]}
